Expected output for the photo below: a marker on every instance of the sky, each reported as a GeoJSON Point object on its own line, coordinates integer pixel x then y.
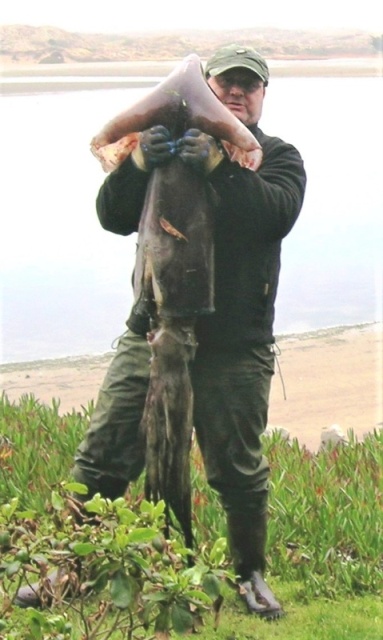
{"type": "Point", "coordinates": [119, 16]}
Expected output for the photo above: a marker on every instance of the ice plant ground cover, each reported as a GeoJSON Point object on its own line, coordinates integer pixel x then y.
{"type": "Point", "coordinates": [324, 549]}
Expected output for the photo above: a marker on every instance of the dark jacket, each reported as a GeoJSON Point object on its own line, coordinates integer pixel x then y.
{"type": "Point", "coordinates": [255, 212]}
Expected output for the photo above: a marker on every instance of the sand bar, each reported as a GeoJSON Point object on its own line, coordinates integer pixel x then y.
{"type": "Point", "coordinates": [331, 376]}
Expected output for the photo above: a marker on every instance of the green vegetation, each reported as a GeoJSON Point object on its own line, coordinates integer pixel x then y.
{"type": "Point", "coordinates": [324, 551]}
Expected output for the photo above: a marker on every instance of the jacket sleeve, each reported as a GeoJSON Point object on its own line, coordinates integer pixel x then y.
{"type": "Point", "coordinates": [121, 198]}
{"type": "Point", "coordinates": [267, 203]}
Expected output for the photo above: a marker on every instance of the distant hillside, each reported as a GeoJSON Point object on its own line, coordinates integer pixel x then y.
{"type": "Point", "coordinates": [22, 44]}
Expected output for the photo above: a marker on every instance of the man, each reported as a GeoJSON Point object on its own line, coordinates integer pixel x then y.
{"type": "Point", "coordinates": [234, 362]}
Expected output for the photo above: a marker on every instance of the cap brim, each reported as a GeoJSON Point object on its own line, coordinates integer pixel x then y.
{"type": "Point", "coordinates": [216, 71]}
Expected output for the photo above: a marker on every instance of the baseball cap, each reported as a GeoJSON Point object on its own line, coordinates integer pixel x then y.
{"type": "Point", "coordinates": [235, 55]}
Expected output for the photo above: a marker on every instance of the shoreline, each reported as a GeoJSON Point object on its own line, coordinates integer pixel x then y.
{"type": "Point", "coordinates": [16, 79]}
{"type": "Point", "coordinates": [163, 67]}
{"type": "Point", "coordinates": [330, 376]}
{"type": "Point", "coordinates": [100, 358]}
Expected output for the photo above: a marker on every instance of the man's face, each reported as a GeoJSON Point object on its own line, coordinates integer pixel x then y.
{"type": "Point", "coordinates": [241, 91]}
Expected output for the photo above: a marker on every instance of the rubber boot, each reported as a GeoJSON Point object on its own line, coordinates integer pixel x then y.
{"type": "Point", "coordinates": [247, 541]}
{"type": "Point", "coordinates": [60, 583]}
{"type": "Point", "coordinates": [56, 586]}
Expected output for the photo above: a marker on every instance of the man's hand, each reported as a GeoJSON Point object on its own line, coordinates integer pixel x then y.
{"type": "Point", "coordinates": [155, 148]}
{"type": "Point", "coordinates": [199, 150]}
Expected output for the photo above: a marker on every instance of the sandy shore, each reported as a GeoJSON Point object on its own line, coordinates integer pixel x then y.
{"type": "Point", "coordinates": [332, 376]}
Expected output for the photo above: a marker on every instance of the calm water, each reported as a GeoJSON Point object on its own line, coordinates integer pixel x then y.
{"type": "Point", "coordinates": [65, 283]}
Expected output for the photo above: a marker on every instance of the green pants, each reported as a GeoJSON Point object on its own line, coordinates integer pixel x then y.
{"type": "Point", "coordinates": [231, 395]}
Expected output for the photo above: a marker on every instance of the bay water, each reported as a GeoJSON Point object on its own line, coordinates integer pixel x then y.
{"type": "Point", "coordinates": [66, 283]}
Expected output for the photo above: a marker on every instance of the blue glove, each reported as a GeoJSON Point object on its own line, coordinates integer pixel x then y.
{"type": "Point", "coordinates": [199, 150]}
{"type": "Point", "coordinates": [155, 148]}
